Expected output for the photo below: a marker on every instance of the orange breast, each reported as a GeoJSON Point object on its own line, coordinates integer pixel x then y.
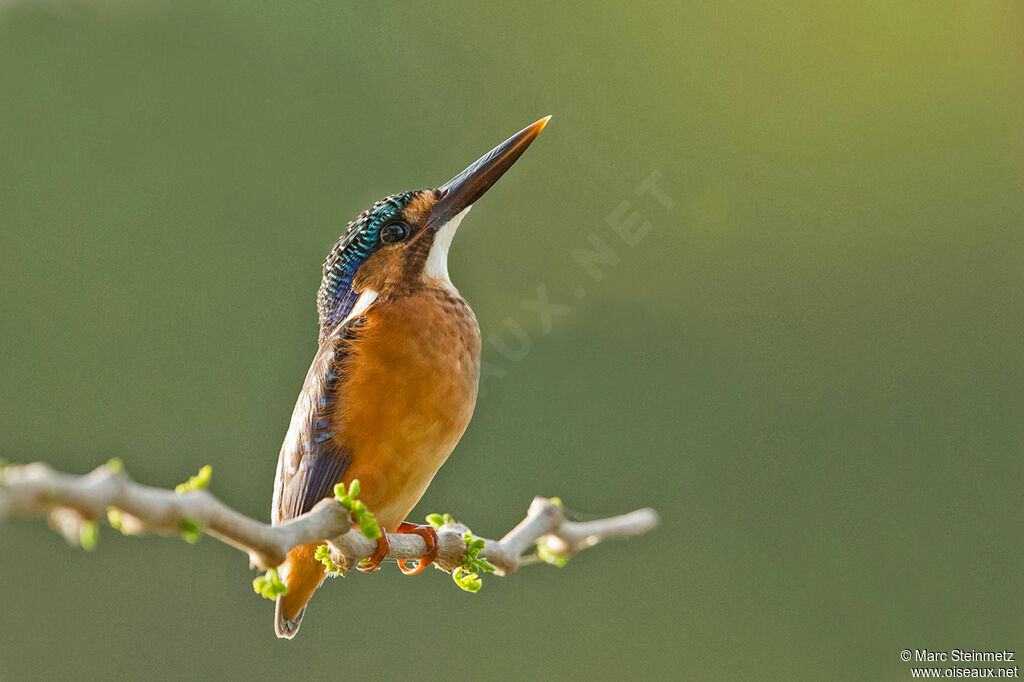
{"type": "Point", "coordinates": [410, 389]}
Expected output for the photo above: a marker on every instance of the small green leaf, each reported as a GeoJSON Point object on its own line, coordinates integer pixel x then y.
{"type": "Point", "coordinates": [323, 555]}
{"type": "Point", "coordinates": [467, 576]}
{"type": "Point", "coordinates": [191, 531]}
{"type": "Point", "coordinates": [370, 529]}
{"type": "Point", "coordinates": [269, 585]}
{"type": "Point", "coordinates": [115, 464]}
{"type": "Point", "coordinates": [470, 582]}
{"type": "Point", "coordinates": [557, 501]}
{"type": "Point", "coordinates": [438, 520]}
{"type": "Point", "coordinates": [198, 482]}
{"type": "Point", "coordinates": [88, 534]}
{"type": "Point", "coordinates": [363, 517]}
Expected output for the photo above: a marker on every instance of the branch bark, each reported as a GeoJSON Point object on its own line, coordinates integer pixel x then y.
{"type": "Point", "coordinates": [69, 500]}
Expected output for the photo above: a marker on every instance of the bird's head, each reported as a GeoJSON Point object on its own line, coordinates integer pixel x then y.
{"type": "Point", "coordinates": [401, 242]}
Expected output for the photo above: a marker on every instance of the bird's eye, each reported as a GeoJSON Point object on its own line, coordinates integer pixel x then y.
{"type": "Point", "coordinates": [392, 233]}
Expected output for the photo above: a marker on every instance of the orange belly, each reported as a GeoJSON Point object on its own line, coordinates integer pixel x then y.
{"type": "Point", "coordinates": [409, 394]}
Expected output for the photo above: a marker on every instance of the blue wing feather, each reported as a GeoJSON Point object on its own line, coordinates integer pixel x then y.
{"type": "Point", "coordinates": [311, 461]}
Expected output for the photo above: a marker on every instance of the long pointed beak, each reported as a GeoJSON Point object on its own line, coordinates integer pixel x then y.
{"type": "Point", "coordinates": [464, 189]}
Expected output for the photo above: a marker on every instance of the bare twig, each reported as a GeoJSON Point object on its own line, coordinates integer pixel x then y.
{"type": "Point", "coordinates": [69, 500]}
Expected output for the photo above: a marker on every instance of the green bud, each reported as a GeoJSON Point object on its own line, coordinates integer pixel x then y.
{"type": "Point", "coordinates": [114, 519]}
{"type": "Point", "coordinates": [88, 534]}
{"type": "Point", "coordinates": [550, 556]}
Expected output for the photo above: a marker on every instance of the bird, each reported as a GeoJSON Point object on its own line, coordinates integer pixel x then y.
{"type": "Point", "coordinates": [393, 383]}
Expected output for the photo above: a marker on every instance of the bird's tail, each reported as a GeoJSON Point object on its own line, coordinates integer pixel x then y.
{"type": "Point", "coordinates": [302, 575]}
{"type": "Point", "coordinates": [286, 627]}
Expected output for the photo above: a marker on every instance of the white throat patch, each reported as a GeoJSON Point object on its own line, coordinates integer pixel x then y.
{"type": "Point", "coordinates": [437, 259]}
{"type": "Point", "coordinates": [362, 303]}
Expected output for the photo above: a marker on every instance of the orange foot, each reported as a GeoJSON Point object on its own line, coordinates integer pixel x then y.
{"type": "Point", "coordinates": [429, 536]}
{"type": "Point", "coordinates": [373, 563]}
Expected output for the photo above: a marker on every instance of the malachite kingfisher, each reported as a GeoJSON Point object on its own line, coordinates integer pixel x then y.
{"type": "Point", "coordinates": [394, 380]}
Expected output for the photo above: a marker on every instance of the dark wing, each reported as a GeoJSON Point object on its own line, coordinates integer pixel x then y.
{"type": "Point", "coordinates": [311, 462]}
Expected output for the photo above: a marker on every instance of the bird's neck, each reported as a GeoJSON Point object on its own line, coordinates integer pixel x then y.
{"type": "Point", "coordinates": [425, 291]}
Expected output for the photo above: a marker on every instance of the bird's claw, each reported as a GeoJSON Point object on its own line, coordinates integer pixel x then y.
{"type": "Point", "coordinates": [373, 563]}
{"type": "Point", "coordinates": [429, 536]}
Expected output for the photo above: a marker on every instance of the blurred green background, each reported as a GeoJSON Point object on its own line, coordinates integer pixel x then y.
{"type": "Point", "coordinates": [811, 365]}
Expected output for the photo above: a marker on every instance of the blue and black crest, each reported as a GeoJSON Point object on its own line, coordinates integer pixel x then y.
{"type": "Point", "coordinates": [360, 241]}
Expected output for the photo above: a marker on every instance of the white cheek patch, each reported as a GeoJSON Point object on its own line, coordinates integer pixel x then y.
{"type": "Point", "coordinates": [362, 303]}
{"type": "Point", "coordinates": [437, 259]}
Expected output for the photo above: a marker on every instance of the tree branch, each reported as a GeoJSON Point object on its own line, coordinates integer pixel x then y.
{"type": "Point", "coordinates": [69, 501]}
